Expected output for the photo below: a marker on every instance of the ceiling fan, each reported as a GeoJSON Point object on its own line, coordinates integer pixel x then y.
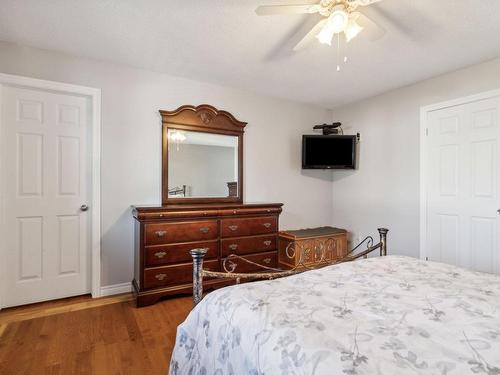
{"type": "Point", "coordinates": [340, 16]}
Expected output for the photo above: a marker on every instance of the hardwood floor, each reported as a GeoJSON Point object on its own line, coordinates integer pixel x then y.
{"type": "Point", "coordinates": [90, 337]}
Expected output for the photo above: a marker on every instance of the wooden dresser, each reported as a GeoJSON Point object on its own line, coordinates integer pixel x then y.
{"type": "Point", "coordinates": [308, 244]}
{"type": "Point", "coordinates": [164, 236]}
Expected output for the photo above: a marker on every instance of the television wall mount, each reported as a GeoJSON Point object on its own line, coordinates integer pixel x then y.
{"type": "Point", "coordinates": [334, 128]}
{"type": "Point", "coordinates": [329, 129]}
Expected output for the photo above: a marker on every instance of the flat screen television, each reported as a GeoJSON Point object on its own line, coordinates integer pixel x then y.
{"type": "Point", "coordinates": [328, 151]}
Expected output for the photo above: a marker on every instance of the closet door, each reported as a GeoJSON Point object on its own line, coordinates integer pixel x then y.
{"type": "Point", "coordinates": [463, 185]}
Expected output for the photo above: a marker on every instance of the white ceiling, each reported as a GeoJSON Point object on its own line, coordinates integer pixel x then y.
{"type": "Point", "coordinates": [224, 42]}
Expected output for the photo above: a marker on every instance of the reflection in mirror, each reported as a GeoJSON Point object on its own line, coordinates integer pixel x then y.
{"type": "Point", "coordinates": [202, 165]}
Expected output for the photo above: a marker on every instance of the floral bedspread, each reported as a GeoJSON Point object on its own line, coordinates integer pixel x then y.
{"type": "Point", "coordinates": [387, 315]}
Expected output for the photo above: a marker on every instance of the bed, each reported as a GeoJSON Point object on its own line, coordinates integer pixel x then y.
{"type": "Point", "coordinates": [383, 315]}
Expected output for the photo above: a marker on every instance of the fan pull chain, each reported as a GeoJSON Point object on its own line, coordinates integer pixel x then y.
{"type": "Point", "coordinates": [338, 52]}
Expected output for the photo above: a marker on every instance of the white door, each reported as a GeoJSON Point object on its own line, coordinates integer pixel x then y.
{"type": "Point", "coordinates": [463, 185]}
{"type": "Point", "coordinates": [45, 182]}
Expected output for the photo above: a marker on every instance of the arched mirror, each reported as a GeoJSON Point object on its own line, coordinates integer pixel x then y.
{"type": "Point", "coordinates": [202, 156]}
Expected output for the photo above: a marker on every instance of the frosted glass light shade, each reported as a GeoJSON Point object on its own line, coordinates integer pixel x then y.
{"type": "Point", "coordinates": [337, 22]}
{"type": "Point", "coordinates": [325, 36]}
{"type": "Point", "coordinates": [177, 136]}
{"type": "Point", "coordinates": [352, 30]}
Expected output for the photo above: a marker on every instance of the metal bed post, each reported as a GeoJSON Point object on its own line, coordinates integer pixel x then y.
{"type": "Point", "coordinates": [198, 255]}
{"type": "Point", "coordinates": [383, 241]}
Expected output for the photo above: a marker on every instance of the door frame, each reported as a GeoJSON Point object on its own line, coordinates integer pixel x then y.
{"type": "Point", "coordinates": [424, 111]}
{"type": "Point", "coordinates": [94, 95]}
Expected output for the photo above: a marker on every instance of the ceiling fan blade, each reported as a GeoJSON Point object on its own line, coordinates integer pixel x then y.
{"type": "Point", "coordinates": [372, 30]}
{"type": "Point", "coordinates": [364, 3]}
{"type": "Point", "coordinates": [271, 10]}
{"type": "Point", "coordinates": [309, 37]}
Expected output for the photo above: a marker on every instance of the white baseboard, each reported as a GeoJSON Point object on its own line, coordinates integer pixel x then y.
{"type": "Point", "coordinates": [110, 290]}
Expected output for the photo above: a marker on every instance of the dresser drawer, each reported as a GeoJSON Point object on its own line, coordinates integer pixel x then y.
{"type": "Point", "coordinates": [248, 245]}
{"type": "Point", "coordinates": [269, 259]}
{"type": "Point", "coordinates": [248, 226]}
{"type": "Point", "coordinates": [174, 275]}
{"type": "Point", "coordinates": [163, 233]}
{"type": "Point", "coordinates": [177, 253]}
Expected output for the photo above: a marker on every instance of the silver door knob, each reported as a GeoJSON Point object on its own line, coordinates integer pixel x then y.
{"type": "Point", "coordinates": [498, 211]}
{"type": "Point", "coordinates": [84, 207]}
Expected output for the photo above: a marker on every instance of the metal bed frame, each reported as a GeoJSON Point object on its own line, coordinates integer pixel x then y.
{"type": "Point", "coordinates": [270, 273]}
{"type": "Point", "coordinates": [178, 190]}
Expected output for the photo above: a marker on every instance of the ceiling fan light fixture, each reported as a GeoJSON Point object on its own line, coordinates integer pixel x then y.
{"type": "Point", "coordinates": [337, 23]}
{"type": "Point", "coordinates": [339, 19]}
{"type": "Point", "coordinates": [325, 36]}
{"type": "Point", "coordinates": [176, 136]}
{"type": "Point", "coordinates": [339, 16]}
{"type": "Point", "coordinates": [352, 30]}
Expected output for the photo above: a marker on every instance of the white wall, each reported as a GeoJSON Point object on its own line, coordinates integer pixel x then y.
{"type": "Point", "coordinates": [204, 169]}
{"type": "Point", "coordinates": [384, 191]}
{"type": "Point", "coordinates": [131, 143]}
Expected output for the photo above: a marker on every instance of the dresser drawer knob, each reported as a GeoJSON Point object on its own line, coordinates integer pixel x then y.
{"type": "Point", "coordinates": [267, 225]}
{"type": "Point", "coordinates": [267, 260]}
{"type": "Point", "coordinates": [267, 243]}
{"type": "Point", "coordinates": [233, 227]}
{"type": "Point", "coordinates": [161, 233]}
{"type": "Point", "coordinates": [204, 230]}
{"type": "Point", "coordinates": [233, 246]}
{"type": "Point", "coordinates": [160, 254]}
{"type": "Point", "coordinates": [160, 276]}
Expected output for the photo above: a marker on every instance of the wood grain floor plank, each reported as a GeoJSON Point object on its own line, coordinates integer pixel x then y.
{"type": "Point", "coordinates": [14, 314]}
{"type": "Point", "coordinates": [79, 337]}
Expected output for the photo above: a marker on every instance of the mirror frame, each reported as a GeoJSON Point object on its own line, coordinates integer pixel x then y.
{"type": "Point", "coordinates": [206, 119]}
